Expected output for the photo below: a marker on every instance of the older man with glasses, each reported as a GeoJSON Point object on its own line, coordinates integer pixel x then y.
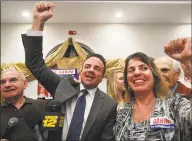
{"type": "Point", "coordinates": [15, 105]}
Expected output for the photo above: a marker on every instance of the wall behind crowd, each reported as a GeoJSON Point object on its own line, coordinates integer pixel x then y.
{"type": "Point", "coordinates": [110, 40]}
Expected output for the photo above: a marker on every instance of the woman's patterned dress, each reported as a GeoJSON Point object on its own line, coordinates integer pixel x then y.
{"type": "Point", "coordinates": [171, 121]}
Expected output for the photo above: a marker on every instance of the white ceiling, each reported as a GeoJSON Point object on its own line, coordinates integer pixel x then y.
{"type": "Point", "coordinates": [173, 12]}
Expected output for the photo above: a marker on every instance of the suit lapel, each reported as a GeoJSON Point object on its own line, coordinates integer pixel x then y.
{"type": "Point", "coordinates": [94, 111]}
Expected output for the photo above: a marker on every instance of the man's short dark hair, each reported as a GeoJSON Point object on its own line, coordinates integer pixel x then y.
{"type": "Point", "coordinates": [98, 56]}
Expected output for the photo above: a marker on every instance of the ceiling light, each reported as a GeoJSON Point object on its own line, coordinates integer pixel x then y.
{"type": "Point", "coordinates": [26, 14]}
{"type": "Point", "coordinates": [118, 15]}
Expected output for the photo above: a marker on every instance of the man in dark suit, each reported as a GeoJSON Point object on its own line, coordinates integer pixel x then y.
{"type": "Point", "coordinates": [100, 110]}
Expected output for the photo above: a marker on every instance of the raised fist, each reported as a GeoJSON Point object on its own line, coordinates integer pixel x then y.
{"type": "Point", "coordinates": [43, 11]}
{"type": "Point", "coordinates": [179, 49]}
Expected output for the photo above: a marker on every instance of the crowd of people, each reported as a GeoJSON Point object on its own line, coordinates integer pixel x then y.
{"type": "Point", "coordinates": [144, 102]}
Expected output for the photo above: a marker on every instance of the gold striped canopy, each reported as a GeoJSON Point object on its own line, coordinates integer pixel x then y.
{"type": "Point", "coordinates": [57, 58]}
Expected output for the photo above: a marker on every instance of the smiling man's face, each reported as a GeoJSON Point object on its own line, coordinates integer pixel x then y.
{"type": "Point", "coordinates": [92, 72]}
{"type": "Point", "coordinates": [166, 69]}
{"type": "Point", "coordinates": [12, 84]}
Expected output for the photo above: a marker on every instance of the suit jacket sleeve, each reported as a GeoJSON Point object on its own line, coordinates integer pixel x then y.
{"type": "Point", "coordinates": [108, 134]}
{"type": "Point", "coordinates": [35, 63]}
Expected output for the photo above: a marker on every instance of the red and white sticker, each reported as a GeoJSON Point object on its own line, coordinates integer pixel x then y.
{"type": "Point", "coordinates": [162, 122]}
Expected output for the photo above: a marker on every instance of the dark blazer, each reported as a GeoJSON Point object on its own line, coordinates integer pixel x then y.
{"type": "Point", "coordinates": [102, 116]}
